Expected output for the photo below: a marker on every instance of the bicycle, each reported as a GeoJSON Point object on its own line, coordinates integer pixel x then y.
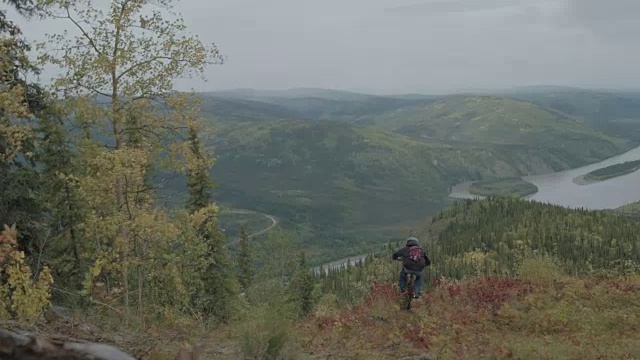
{"type": "Point", "coordinates": [410, 291]}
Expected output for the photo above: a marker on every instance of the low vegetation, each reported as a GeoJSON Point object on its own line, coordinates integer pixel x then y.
{"type": "Point", "coordinates": [612, 171]}
{"type": "Point", "coordinates": [495, 317]}
{"type": "Point", "coordinates": [515, 187]}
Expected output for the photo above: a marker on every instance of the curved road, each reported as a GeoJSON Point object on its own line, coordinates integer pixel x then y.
{"type": "Point", "coordinates": [274, 222]}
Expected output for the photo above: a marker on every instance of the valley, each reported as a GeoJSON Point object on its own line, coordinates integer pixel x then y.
{"type": "Point", "coordinates": [141, 218]}
{"type": "Point", "coordinates": [346, 175]}
{"type": "Point", "coordinates": [559, 187]}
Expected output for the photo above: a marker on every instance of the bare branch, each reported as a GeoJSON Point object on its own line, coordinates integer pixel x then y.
{"type": "Point", "coordinates": [148, 61]}
{"type": "Point", "coordinates": [84, 32]}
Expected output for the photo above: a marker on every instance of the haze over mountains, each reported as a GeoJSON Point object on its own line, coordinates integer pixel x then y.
{"type": "Point", "coordinates": [348, 170]}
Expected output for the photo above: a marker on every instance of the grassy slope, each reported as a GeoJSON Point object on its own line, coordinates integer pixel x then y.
{"type": "Point", "coordinates": [493, 317]}
{"type": "Point", "coordinates": [528, 306]}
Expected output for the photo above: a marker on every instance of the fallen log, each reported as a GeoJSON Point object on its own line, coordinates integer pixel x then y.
{"type": "Point", "coordinates": [31, 347]}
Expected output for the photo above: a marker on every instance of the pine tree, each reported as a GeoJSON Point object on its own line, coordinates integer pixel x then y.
{"type": "Point", "coordinates": [19, 101]}
{"type": "Point", "coordinates": [243, 259]}
{"type": "Point", "coordinates": [60, 195]}
{"type": "Point", "coordinates": [220, 283]}
{"type": "Point", "coordinates": [302, 286]}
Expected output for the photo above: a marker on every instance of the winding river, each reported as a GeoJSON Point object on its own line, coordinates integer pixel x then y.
{"type": "Point", "coordinates": [558, 188]}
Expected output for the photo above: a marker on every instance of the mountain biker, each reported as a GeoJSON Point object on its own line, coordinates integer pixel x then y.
{"type": "Point", "coordinates": [412, 266]}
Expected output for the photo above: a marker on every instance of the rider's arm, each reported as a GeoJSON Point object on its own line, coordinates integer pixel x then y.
{"type": "Point", "coordinates": [397, 254]}
{"type": "Point", "coordinates": [427, 262]}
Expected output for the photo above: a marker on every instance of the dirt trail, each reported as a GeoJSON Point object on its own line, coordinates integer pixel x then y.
{"type": "Point", "coordinates": [274, 223]}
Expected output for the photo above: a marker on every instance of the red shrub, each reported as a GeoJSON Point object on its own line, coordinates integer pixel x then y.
{"type": "Point", "coordinates": [489, 292]}
{"type": "Point", "coordinates": [380, 292]}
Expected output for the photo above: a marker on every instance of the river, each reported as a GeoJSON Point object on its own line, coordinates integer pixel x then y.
{"type": "Point", "coordinates": [558, 188]}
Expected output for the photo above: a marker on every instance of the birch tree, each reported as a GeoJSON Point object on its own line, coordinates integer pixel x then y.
{"type": "Point", "coordinates": [118, 64]}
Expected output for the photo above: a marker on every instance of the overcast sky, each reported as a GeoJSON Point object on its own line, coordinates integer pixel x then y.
{"type": "Point", "coordinates": [429, 46]}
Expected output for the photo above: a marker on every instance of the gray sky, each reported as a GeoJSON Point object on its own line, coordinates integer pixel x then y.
{"type": "Point", "coordinates": [426, 46]}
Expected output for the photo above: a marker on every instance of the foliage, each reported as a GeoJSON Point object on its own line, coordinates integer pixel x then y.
{"type": "Point", "coordinates": [613, 171]}
{"type": "Point", "coordinates": [244, 260]}
{"type": "Point", "coordinates": [20, 101]}
{"type": "Point", "coordinates": [508, 230]}
{"type": "Point", "coordinates": [130, 54]}
{"type": "Point", "coordinates": [268, 336]}
{"type": "Point", "coordinates": [516, 187]}
{"type": "Point", "coordinates": [23, 294]}
{"type": "Point", "coordinates": [221, 287]}
{"type": "Point", "coordinates": [503, 317]}
{"type": "Point", "coordinates": [302, 287]}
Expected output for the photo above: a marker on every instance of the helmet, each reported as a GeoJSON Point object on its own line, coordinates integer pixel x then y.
{"type": "Point", "coordinates": [412, 241]}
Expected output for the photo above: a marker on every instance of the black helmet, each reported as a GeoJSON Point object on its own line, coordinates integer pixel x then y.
{"type": "Point", "coordinates": [412, 241]}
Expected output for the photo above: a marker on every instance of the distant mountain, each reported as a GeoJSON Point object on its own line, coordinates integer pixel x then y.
{"type": "Point", "coordinates": [223, 110]}
{"type": "Point", "coordinates": [614, 112]}
{"type": "Point", "coordinates": [291, 93]}
{"type": "Point", "coordinates": [498, 120]}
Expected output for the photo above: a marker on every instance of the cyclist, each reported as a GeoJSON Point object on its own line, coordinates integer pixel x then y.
{"type": "Point", "coordinates": [414, 260]}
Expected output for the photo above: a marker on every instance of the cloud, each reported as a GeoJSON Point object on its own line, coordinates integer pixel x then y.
{"type": "Point", "coordinates": [412, 45]}
{"type": "Point", "coordinates": [615, 21]}
{"type": "Point", "coordinates": [440, 7]}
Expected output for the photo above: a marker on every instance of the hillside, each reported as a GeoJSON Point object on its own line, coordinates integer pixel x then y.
{"type": "Point", "coordinates": [350, 186]}
{"type": "Point", "coordinates": [614, 112]}
{"type": "Point", "coordinates": [318, 104]}
{"type": "Point", "coordinates": [509, 279]}
{"type": "Point", "coordinates": [491, 119]}
{"type": "Point", "coordinates": [345, 185]}
{"type": "Point", "coordinates": [632, 210]}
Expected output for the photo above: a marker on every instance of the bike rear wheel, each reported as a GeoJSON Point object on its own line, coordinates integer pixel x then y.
{"type": "Point", "coordinates": [411, 290]}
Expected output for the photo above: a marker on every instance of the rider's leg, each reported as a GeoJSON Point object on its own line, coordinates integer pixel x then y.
{"type": "Point", "coordinates": [402, 280]}
{"type": "Point", "coordinates": [419, 280]}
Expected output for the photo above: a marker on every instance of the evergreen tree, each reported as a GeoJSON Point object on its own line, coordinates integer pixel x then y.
{"type": "Point", "coordinates": [302, 286]}
{"type": "Point", "coordinates": [60, 196]}
{"type": "Point", "coordinates": [19, 101]}
{"type": "Point", "coordinates": [243, 259]}
{"type": "Point", "coordinates": [219, 280]}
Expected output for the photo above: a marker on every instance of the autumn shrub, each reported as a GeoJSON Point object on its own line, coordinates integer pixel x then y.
{"type": "Point", "coordinates": [22, 296]}
{"type": "Point", "coordinates": [267, 334]}
{"type": "Point", "coordinates": [540, 269]}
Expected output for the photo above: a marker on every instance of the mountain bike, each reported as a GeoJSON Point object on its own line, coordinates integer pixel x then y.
{"type": "Point", "coordinates": [410, 291]}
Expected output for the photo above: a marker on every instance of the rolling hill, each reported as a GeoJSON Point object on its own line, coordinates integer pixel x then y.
{"type": "Point", "coordinates": [345, 183]}
{"type": "Point", "coordinates": [336, 182]}
{"type": "Point", "coordinates": [632, 210]}
{"type": "Point", "coordinates": [614, 112]}
{"type": "Point", "coordinates": [485, 119]}
{"type": "Point", "coordinates": [318, 104]}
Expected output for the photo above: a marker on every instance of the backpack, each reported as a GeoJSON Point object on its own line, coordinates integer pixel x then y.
{"type": "Point", "coordinates": [415, 261]}
{"type": "Point", "coordinates": [415, 253]}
